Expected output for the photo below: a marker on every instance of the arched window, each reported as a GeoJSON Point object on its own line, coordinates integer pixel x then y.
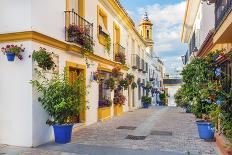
{"type": "Point", "coordinates": [148, 34]}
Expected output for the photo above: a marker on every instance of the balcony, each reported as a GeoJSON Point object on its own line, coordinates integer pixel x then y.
{"type": "Point", "coordinates": [135, 61]}
{"type": "Point", "coordinates": [145, 69]}
{"type": "Point", "coordinates": [192, 43]}
{"type": "Point", "coordinates": [222, 9]}
{"type": "Point", "coordinates": [78, 30]}
{"type": "Point", "coordinates": [141, 67]}
{"type": "Point", "coordinates": [119, 54]}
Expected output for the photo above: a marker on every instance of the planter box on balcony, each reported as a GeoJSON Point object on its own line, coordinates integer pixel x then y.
{"type": "Point", "coordinates": [118, 110]}
{"type": "Point", "coordinates": [221, 144]}
{"type": "Point", "coordinates": [104, 113]}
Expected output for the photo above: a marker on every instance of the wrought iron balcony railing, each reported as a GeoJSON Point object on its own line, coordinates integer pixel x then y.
{"type": "Point", "coordinates": [135, 61]}
{"type": "Point", "coordinates": [119, 53]}
{"type": "Point", "coordinates": [76, 28]}
{"type": "Point", "coordinates": [141, 67]}
{"type": "Point", "coordinates": [145, 69]}
{"type": "Point", "coordinates": [222, 8]}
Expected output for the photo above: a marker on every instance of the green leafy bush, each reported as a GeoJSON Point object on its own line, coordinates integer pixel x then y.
{"type": "Point", "coordinates": [110, 84]}
{"type": "Point", "coordinates": [134, 85]}
{"type": "Point", "coordinates": [60, 99]}
{"type": "Point", "coordinates": [43, 58]}
{"type": "Point", "coordinates": [146, 99]}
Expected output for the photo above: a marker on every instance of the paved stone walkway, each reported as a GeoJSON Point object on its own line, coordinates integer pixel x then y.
{"type": "Point", "coordinates": [184, 137]}
{"type": "Point", "coordinates": [104, 137]}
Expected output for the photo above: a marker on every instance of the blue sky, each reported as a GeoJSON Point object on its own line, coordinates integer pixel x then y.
{"type": "Point", "coordinates": [167, 17]}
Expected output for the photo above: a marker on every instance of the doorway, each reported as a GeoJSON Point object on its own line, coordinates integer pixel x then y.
{"type": "Point", "coordinates": [76, 71]}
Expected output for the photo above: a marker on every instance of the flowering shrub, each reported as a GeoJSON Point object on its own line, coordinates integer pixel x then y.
{"type": "Point", "coordinates": [80, 35]}
{"type": "Point", "coordinates": [43, 58]}
{"type": "Point", "coordinates": [104, 103]}
{"type": "Point", "coordinates": [120, 57]}
{"type": "Point", "coordinates": [17, 50]}
{"type": "Point", "coordinates": [116, 71]}
{"type": "Point", "coordinates": [130, 78]}
{"type": "Point", "coordinates": [119, 99]}
{"type": "Point", "coordinates": [205, 89]}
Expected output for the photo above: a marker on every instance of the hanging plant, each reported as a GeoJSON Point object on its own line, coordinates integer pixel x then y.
{"type": "Point", "coordinates": [134, 85]}
{"type": "Point", "coordinates": [123, 84]}
{"type": "Point", "coordinates": [13, 50]}
{"type": "Point", "coordinates": [108, 44]}
{"type": "Point", "coordinates": [130, 78]}
{"type": "Point", "coordinates": [119, 99]}
{"type": "Point", "coordinates": [81, 35]}
{"type": "Point", "coordinates": [120, 57]}
{"type": "Point", "coordinates": [116, 71]}
{"type": "Point", "coordinates": [110, 84]}
{"type": "Point", "coordinates": [43, 58]}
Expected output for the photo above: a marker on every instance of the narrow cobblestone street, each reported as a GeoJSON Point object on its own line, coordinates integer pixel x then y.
{"type": "Point", "coordinates": [167, 131]}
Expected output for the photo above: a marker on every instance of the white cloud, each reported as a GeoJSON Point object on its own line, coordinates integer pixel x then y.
{"type": "Point", "coordinates": [167, 21]}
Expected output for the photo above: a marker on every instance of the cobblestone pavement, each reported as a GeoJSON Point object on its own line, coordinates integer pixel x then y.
{"type": "Point", "coordinates": [105, 138]}
{"type": "Point", "coordinates": [184, 137]}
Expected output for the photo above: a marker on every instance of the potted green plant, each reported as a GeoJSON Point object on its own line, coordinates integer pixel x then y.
{"type": "Point", "coordinates": [120, 57]}
{"type": "Point", "coordinates": [43, 58]}
{"type": "Point", "coordinates": [148, 88]}
{"type": "Point", "coordinates": [110, 84]}
{"type": "Point", "coordinates": [146, 100]}
{"type": "Point", "coordinates": [130, 78]}
{"type": "Point", "coordinates": [134, 85]}
{"type": "Point", "coordinates": [61, 100]}
{"type": "Point", "coordinates": [123, 84]}
{"type": "Point", "coordinates": [116, 71]}
{"type": "Point", "coordinates": [13, 50]}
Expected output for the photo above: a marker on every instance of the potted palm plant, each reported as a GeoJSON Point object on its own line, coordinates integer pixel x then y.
{"type": "Point", "coordinates": [61, 100]}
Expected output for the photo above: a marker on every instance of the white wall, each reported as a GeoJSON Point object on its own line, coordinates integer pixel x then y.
{"type": "Point", "coordinates": [16, 98]}
{"type": "Point", "coordinates": [208, 20]}
{"type": "Point", "coordinates": [42, 133]}
{"type": "Point", "coordinates": [15, 16]}
{"type": "Point", "coordinates": [171, 92]}
{"type": "Point", "coordinates": [48, 17]}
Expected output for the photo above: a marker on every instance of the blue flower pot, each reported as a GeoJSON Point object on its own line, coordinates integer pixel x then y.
{"type": "Point", "coordinates": [145, 105]}
{"type": "Point", "coordinates": [205, 130]}
{"type": "Point", "coordinates": [63, 133]}
{"type": "Point", "coordinates": [10, 56]}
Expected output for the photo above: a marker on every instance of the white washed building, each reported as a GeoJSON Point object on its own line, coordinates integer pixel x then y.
{"type": "Point", "coordinates": [41, 23]}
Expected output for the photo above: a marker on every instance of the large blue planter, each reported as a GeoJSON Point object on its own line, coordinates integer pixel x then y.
{"type": "Point", "coordinates": [145, 105]}
{"type": "Point", "coordinates": [10, 56]}
{"type": "Point", "coordinates": [205, 130]}
{"type": "Point", "coordinates": [63, 133]}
